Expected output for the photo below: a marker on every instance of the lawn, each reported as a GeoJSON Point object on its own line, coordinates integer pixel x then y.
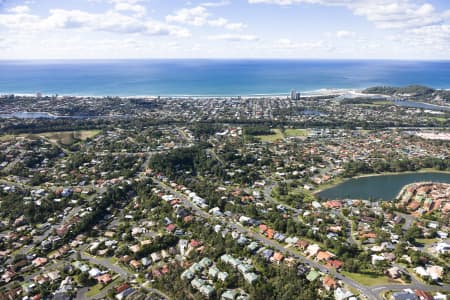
{"type": "Point", "coordinates": [277, 135]}
{"type": "Point", "coordinates": [426, 242]}
{"type": "Point", "coordinates": [113, 260]}
{"type": "Point", "coordinates": [291, 132]}
{"type": "Point", "coordinates": [94, 290]}
{"type": "Point", "coordinates": [69, 137]}
{"type": "Point", "coordinates": [440, 119]}
{"type": "Point", "coordinates": [367, 279]}
{"type": "Point", "coordinates": [6, 137]}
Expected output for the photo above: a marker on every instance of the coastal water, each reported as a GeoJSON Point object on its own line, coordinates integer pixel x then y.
{"type": "Point", "coordinates": [212, 77]}
{"type": "Point", "coordinates": [383, 187]}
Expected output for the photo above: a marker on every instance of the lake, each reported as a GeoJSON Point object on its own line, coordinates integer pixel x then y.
{"type": "Point", "coordinates": [28, 115]}
{"type": "Point", "coordinates": [46, 115]}
{"type": "Point", "coordinates": [382, 187]}
{"type": "Point", "coordinates": [414, 104]}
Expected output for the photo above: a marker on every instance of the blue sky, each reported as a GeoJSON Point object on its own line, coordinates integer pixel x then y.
{"type": "Point", "coordinates": [329, 29]}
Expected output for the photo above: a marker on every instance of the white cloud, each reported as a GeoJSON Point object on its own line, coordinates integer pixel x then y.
{"type": "Point", "coordinates": [398, 14]}
{"type": "Point", "coordinates": [196, 16]}
{"type": "Point", "coordinates": [446, 14]}
{"type": "Point", "coordinates": [235, 26]}
{"type": "Point", "coordinates": [285, 43]}
{"type": "Point", "coordinates": [435, 34]}
{"type": "Point", "coordinates": [216, 4]}
{"type": "Point", "coordinates": [109, 21]}
{"type": "Point", "coordinates": [21, 9]}
{"type": "Point", "coordinates": [139, 10]}
{"type": "Point", "coordinates": [127, 1]}
{"type": "Point", "coordinates": [234, 37]}
{"type": "Point", "coordinates": [387, 14]}
{"type": "Point", "coordinates": [345, 34]}
{"type": "Point", "coordinates": [290, 2]}
{"type": "Point", "coordinates": [220, 22]}
{"type": "Point", "coordinates": [199, 16]}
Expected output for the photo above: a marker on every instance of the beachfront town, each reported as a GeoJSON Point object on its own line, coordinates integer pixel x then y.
{"type": "Point", "coordinates": [224, 198]}
{"type": "Point", "coordinates": [333, 108]}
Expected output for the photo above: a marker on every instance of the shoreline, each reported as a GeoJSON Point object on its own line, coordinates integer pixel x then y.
{"type": "Point", "coordinates": [306, 94]}
{"type": "Point", "coordinates": [323, 92]}
{"type": "Point", "coordinates": [341, 180]}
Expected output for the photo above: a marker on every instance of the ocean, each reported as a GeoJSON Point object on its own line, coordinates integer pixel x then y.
{"type": "Point", "coordinates": [203, 77]}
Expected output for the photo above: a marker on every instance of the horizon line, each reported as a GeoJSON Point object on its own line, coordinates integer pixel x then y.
{"type": "Point", "coordinates": [229, 59]}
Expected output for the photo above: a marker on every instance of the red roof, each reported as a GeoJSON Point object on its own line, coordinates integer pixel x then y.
{"type": "Point", "coordinates": [263, 228]}
{"type": "Point", "coordinates": [105, 278]}
{"type": "Point", "coordinates": [278, 256]}
{"type": "Point", "coordinates": [333, 204]}
{"type": "Point", "coordinates": [334, 263]}
{"type": "Point", "coordinates": [414, 205]}
{"type": "Point", "coordinates": [423, 295]}
{"type": "Point", "coordinates": [269, 233]}
{"type": "Point", "coordinates": [369, 235]}
{"type": "Point", "coordinates": [324, 255]}
{"type": "Point", "coordinates": [122, 288]}
{"type": "Point", "coordinates": [194, 243]}
{"type": "Point", "coordinates": [329, 282]}
{"type": "Point", "coordinates": [171, 227]}
{"type": "Point", "coordinates": [165, 269]}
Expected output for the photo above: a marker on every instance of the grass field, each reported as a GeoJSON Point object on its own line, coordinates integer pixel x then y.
{"type": "Point", "coordinates": [277, 135]}
{"type": "Point", "coordinates": [69, 137]}
{"type": "Point", "coordinates": [366, 279]}
{"type": "Point", "coordinates": [291, 132]}
{"type": "Point", "coordinates": [6, 137]}
{"type": "Point", "coordinates": [58, 137]}
{"type": "Point", "coordinates": [440, 119]}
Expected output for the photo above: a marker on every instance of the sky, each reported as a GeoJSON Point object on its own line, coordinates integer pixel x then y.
{"type": "Point", "coordinates": [303, 29]}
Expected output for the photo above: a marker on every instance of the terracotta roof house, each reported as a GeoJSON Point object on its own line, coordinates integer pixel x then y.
{"type": "Point", "coordinates": [329, 283]}
{"type": "Point", "coordinates": [171, 227]}
{"type": "Point", "coordinates": [277, 257]}
{"type": "Point", "coordinates": [119, 289]}
{"type": "Point", "coordinates": [135, 264]}
{"type": "Point", "coordinates": [104, 279]}
{"type": "Point", "coordinates": [263, 228]}
{"type": "Point", "coordinates": [40, 261]}
{"type": "Point", "coordinates": [194, 243]}
{"type": "Point", "coordinates": [335, 263]}
{"type": "Point", "coordinates": [323, 255]}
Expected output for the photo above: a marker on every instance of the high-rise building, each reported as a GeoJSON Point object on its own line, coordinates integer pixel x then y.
{"type": "Point", "coordinates": [295, 95]}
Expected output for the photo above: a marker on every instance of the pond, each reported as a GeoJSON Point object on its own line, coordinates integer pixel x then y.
{"type": "Point", "coordinates": [28, 115]}
{"type": "Point", "coordinates": [413, 104]}
{"type": "Point", "coordinates": [380, 187]}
